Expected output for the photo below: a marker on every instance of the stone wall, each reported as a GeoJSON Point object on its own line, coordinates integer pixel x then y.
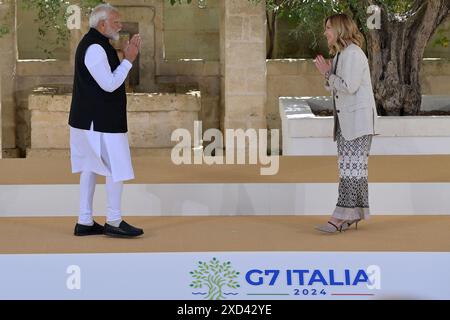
{"type": "Point", "coordinates": [1, 153]}
{"type": "Point", "coordinates": [7, 73]}
{"type": "Point", "coordinates": [284, 78]}
{"type": "Point", "coordinates": [439, 51]}
{"type": "Point", "coordinates": [191, 54]}
{"type": "Point", "coordinates": [49, 112]}
{"type": "Point", "coordinates": [31, 75]}
{"type": "Point", "coordinates": [192, 32]}
{"type": "Point", "coordinates": [230, 73]}
{"type": "Point", "coordinates": [435, 77]}
{"type": "Point", "coordinates": [299, 77]}
{"type": "Point", "coordinates": [294, 77]}
{"type": "Point", "coordinates": [243, 65]}
{"type": "Point", "coordinates": [202, 74]}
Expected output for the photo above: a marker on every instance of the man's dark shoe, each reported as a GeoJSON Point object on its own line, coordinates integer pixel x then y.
{"type": "Point", "coordinates": [82, 230]}
{"type": "Point", "coordinates": [124, 230]}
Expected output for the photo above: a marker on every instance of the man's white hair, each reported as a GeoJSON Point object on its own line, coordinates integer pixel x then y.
{"type": "Point", "coordinates": [99, 13]}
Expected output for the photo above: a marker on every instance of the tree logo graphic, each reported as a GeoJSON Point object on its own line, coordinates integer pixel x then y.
{"type": "Point", "coordinates": [216, 277]}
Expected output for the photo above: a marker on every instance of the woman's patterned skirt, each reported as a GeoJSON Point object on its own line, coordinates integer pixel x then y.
{"type": "Point", "coordinates": [353, 157]}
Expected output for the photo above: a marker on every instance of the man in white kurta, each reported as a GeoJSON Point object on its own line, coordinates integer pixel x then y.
{"type": "Point", "coordinates": [99, 151]}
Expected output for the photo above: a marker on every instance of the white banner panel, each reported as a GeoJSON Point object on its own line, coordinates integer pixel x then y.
{"type": "Point", "coordinates": [227, 276]}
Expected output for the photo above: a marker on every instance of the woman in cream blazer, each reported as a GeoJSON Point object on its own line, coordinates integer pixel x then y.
{"type": "Point", "coordinates": [355, 114]}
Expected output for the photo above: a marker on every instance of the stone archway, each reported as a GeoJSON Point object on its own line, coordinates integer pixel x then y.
{"type": "Point", "coordinates": [148, 15]}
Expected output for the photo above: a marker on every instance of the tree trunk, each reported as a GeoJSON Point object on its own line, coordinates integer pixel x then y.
{"type": "Point", "coordinates": [396, 52]}
{"type": "Point", "coordinates": [271, 32]}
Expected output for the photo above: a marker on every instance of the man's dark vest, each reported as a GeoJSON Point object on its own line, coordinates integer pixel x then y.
{"type": "Point", "coordinates": [90, 103]}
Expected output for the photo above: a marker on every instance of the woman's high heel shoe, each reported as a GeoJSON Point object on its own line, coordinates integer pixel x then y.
{"type": "Point", "coordinates": [349, 223]}
{"type": "Point", "coordinates": [330, 227]}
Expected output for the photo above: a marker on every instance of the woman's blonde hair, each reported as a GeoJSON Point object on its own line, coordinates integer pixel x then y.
{"type": "Point", "coordinates": [346, 32]}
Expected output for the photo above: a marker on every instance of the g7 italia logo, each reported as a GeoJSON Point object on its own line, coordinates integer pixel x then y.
{"type": "Point", "coordinates": [217, 280]}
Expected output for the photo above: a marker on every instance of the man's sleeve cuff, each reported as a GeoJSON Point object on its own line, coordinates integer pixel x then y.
{"type": "Point", "coordinates": [127, 63]}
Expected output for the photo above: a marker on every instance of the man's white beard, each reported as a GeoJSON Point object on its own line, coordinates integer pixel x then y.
{"type": "Point", "coordinates": [115, 36]}
{"type": "Point", "coordinates": [112, 35]}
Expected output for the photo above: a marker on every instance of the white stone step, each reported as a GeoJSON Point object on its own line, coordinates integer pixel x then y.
{"type": "Point", "coordinates": [398, 185]}
{"type": "Point", "coordinates": [225, 199]}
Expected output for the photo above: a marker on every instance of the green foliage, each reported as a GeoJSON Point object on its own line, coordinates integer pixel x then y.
{"type": "Point", "coordinates": [309, 15]}
{"type": "Point", "coordinates": [214, 275]}
{"type": "Point", "coordinates": [442, 39]}
{"type": "Point", "coordinates": [52, 17]}
{"type": "Point", "coordinates": [398, 6]}
{"type": "Point", "coordinates": [3, 30]}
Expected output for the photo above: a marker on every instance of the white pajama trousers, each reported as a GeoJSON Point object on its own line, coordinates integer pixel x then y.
{"type": "Point", "coordinates": [87, 189]}
{"type": "Point", "coordinates": [96, 153]}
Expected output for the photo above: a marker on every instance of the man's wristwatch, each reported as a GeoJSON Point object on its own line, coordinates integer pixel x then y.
{"type": "Point", "coordinates": [327, 75]}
